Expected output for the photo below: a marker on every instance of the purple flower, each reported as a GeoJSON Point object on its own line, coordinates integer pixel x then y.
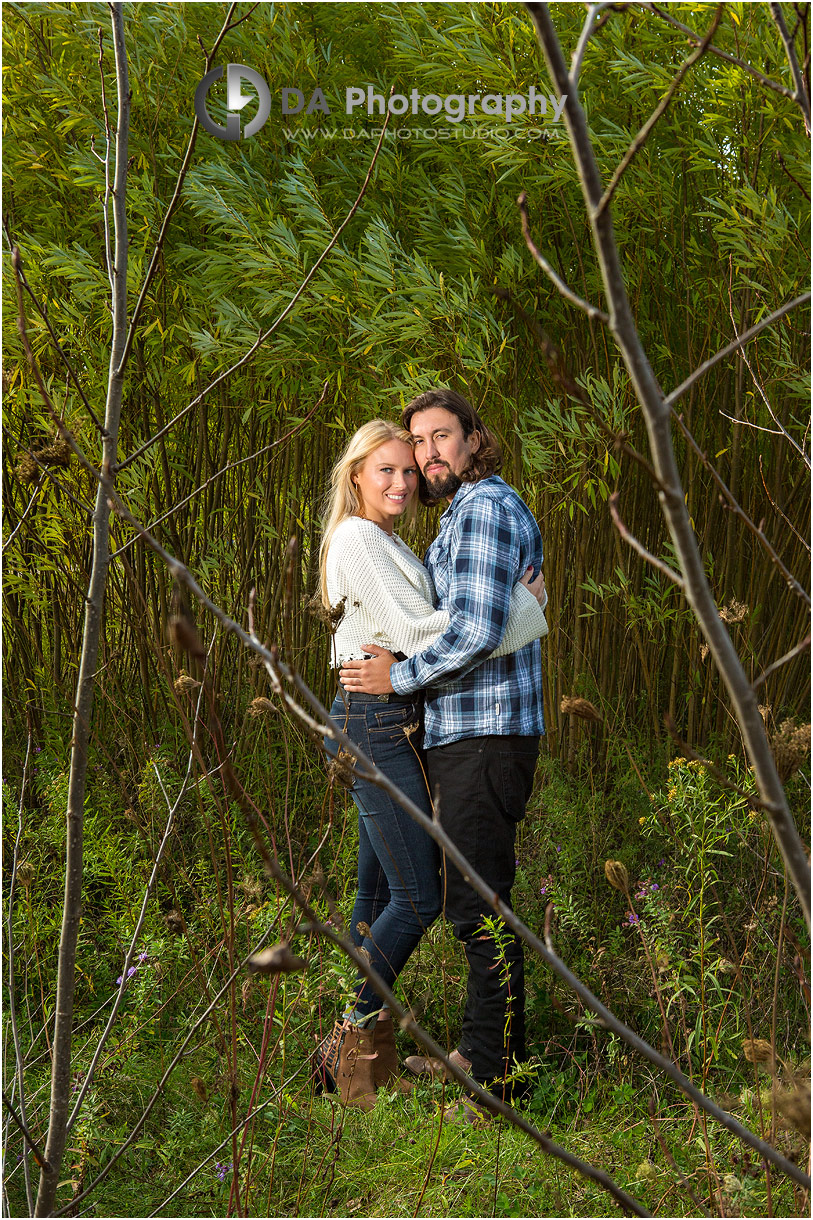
{"type": "Point", "coordinates": [632, 918]}
{"type": "Point", "coordinates": [654, 887]}
{"type": "Point", "coordinates": [543, 889]}
{"type": "Point", "coordinates": [222, 1168]}
{"type": "Point", "coordinates": [516, 862]}
{"type": "Point", "coordinates": [37, 749]}
{"type": "Point", "coordinates": [661, 862]}
{"type": "Point", "coordinates": [558, 849]}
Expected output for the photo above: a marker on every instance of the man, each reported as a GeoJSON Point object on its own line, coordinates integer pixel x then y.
{"type": "Point", "coordinates": [483, 718]}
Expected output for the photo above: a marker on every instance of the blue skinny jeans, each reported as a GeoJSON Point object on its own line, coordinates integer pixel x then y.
{"type": "Point", "coordinates": [399, 894]}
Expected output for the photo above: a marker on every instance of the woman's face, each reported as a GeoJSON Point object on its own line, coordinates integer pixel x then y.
{"type": "Point", "coordinates": [387, 482]}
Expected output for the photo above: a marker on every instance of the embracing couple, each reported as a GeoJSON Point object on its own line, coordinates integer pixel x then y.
{"type": "Point", "coordinates": [449, 702]}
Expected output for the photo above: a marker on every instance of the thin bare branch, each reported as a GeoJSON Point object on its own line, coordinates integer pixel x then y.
{"type": "Point", "coordinates": [732, 59]}
{"type": "Point", "coordinates": [279, 320]}
{"type": "Point", "coordinates": [640, 549]}
{"type": "Point", "coordinates": [43, 313]}
{"type": "Point", "coordinates": [128, 957]}
{"type": "Point", "coordinates": [176, 1059]}
{"type": "Point", "coordinates": [176, 198]}
{"type": "Point", "coordinates": [800, 96]}
{"type": "Point", "coordinates": [746, 337]}
{"type": "Point", "coordinates": [782, 430]}
{"type": "Point", "coordinates": [773, 504]}
{"type": "Point", "coordinates": [588, 29]}
{"type": "Point", "coordinates": [756, 530]}
{"type": "Point", "coordinates": [656, 414]}
{"type": "Point", "coordinates": [86, 679]}
{"type": "Point", "coordinates": [218, 473]}
{"type": "Point", "coordinates": [661, 108]}
{"type": "Point", "coordinates": [792, 178]}
{"type": "Point", "coordinates": [796, 651]}
{"type": "Point", "coordinates": [12, 985]}
{"type": "Point", "coordinates": [592, 311]}
{"type": "Point", "coordinates": [25, 513]}
{"type": "Point", "coordinates": [27, 1136]}
{"type": "Point", "coordinates": [701, 1211]}
{"type": "Point", "coordinates": [108, 252]}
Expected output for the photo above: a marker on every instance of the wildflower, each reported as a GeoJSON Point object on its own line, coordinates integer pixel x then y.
{"type": "Point", "coordinates": [661, 862]}
{"type": "Point", "coordinates": [654, 887]}
{"type": "Point", "coordinates": [130, 974]}
{"type": "Point", "coordinates": [642, 821]}
{"type": "Point", "coordinates": [558, 849]}
{"type": "Point", "coordinates": [632, 918]}
{"type": "Point", "coordinates": [641, 893]}
{"type": "Point", "coordinates": [222, 1168]}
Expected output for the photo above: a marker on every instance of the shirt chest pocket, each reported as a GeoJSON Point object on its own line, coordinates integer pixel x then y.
{"type": "Point", "coordinates": [438, 561]}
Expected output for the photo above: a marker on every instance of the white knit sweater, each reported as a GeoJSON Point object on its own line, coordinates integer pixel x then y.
{"type": "Point", "coordinates": [390, 598]}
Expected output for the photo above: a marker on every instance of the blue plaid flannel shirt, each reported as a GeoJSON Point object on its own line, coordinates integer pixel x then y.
{"type": "Point", "coordinates": [487, 539]}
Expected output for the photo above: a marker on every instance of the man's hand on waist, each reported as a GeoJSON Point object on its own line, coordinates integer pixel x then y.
{"type": "Point", "coordinates": [370, 677]}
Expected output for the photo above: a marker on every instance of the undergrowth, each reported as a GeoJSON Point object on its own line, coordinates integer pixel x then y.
{"type": "Point", "coordinates": [705, 956]}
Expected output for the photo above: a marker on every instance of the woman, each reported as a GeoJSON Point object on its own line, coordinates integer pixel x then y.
{"type": "Point", "coordinates": [388, 597]}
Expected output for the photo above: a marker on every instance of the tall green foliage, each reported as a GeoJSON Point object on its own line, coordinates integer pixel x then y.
{"type": "Point", "coordinates": [712, 218]}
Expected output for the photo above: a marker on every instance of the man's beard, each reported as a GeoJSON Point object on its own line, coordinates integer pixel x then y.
{"type": "Point", "coordinates": [441, 485]}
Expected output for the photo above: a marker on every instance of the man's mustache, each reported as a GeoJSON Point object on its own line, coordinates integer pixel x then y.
{"type": "Point", "coordinates": [445, 465]}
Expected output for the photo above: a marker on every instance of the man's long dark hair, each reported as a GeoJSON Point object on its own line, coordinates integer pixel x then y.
{"type": "Point", "coordinates": [488, 458]}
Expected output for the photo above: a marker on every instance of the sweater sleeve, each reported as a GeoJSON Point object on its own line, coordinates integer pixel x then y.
{"type": "Point", "coordinates": [526, 621]}
{"type": "Point", "coordinates": [368, 575]}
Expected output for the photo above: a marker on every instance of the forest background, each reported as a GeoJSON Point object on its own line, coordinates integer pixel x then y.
{"type": "Point", "coordinates": [708, 947]}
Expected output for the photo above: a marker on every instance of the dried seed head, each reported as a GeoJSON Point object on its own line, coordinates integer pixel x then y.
{"type": "Point", "coordinates": [27, 469]}
{"type": "Point", "coordinates": [331, 616]}
{"type": "Point", "coordinates": [25, 873]}
{"type": "Point", "coordinates": [183, 636]}
{"type": "Point", "coordinates": [734, 612]}
{"type": "Point", "coordinates": [580, 707]}
{"type": "Point", "coordinates": [791, 746]}
{"type": "Point", "coordinates": [731, 1184]}
{"type": "Point", "coordinates": [251, 888]}
{"type": "Point", "coordinates": [277, 960]}
{"type": "Point", "coordinates": [757, 1050]}
{"type": "Point", "coordinates": [184, 682]}
{"type": "Point", "coordinates": [363, 928]}
{"type": "Point", "coordinates": [795, 1107]}
{"type": "Point", "coordinates": [174, 921]}
{"type": "Point", "coordinates": [200, 1088]}
{"type": "Point", "coordinates": [646, 1172]}
{"type": "Point", "coordinates": [704, 651]}
{"type": "Point", "coordinates": [260, 706]}
{"type": "Point", "coordinates": [617, 875]}
{"type": "Point", "coordinates": [340, 769]}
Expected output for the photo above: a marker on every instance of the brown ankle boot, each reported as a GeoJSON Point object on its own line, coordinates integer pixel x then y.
{"type": "Point", "coordinates": [385, 1068]}
{"type": "Point", "coordinates": [347, 1057]}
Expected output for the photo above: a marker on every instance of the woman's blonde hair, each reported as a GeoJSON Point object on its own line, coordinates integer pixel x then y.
{"type": "Point", "coordinates": [343, 499]}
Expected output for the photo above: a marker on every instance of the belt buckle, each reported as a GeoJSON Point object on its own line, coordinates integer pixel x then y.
{"type": "Point", "coordinates": [382, 698]}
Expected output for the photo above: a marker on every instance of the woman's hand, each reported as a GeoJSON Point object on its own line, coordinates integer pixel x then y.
{"type": "Point", "coordinates": [537, 586]}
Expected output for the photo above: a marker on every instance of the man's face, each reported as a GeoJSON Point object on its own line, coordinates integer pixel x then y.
{"type": "Point", "coordinates": [442, 452]}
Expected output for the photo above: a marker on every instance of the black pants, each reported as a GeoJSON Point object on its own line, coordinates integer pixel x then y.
{"type": "Point", "coordinates": [484, 785]}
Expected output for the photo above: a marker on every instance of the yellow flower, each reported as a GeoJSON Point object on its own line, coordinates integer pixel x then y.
{"type": "Point", "coordinates": [641, 821]}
